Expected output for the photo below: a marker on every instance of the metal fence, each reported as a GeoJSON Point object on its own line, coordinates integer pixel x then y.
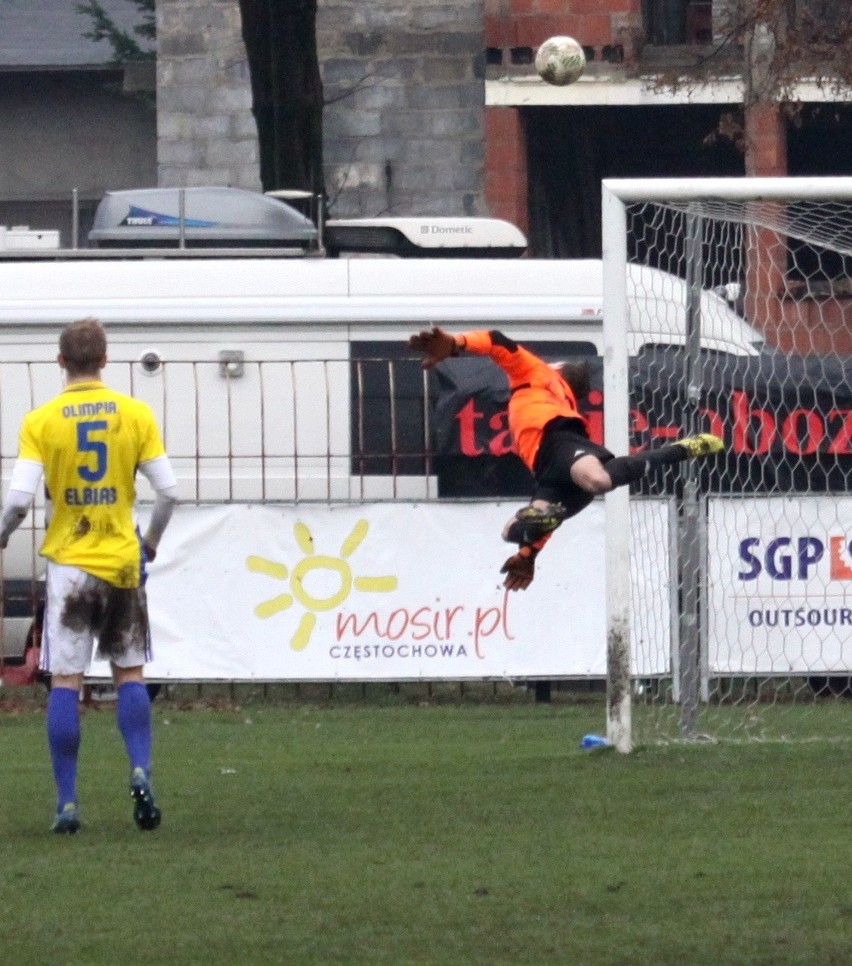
{"type": "Point", "coordinates": [267, 431]}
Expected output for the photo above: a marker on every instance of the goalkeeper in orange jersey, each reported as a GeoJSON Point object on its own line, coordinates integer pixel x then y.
{"type": "Point", "coordinates": [550, 435]}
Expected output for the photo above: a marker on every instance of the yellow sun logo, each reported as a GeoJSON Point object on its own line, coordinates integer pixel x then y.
{"type": "Point", "coordinates": [312, 562]}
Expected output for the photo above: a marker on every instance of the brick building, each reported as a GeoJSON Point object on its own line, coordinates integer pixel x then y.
{"type": "Point", "coordinates": [547, 149]}
{"type": "Point", "coordinates": [611, 123]}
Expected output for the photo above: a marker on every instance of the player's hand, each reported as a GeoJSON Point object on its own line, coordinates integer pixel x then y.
{"type": "Point", "coordinates": [519, 570]}
{"type": "Point", "coordinates": [149, 551]}
{"type": "Point", "coordinates": [437, 345]}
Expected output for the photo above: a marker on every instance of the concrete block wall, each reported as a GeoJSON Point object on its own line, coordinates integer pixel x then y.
{"type": "Point", "coordinates": [405, 95]}
{"type": "Point", "coordinates": [405, 115]}
{"type": "Point", "coordinates": [206, 133]}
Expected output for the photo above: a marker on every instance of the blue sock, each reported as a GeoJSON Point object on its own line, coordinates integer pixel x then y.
{"type": "Point", "coordinates": [63, 737]}
{"type": "Point", "coordinates": [133, 711]}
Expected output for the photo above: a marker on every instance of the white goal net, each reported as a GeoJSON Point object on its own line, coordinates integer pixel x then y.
{"type": "Point", "coordinates": [746, 285]}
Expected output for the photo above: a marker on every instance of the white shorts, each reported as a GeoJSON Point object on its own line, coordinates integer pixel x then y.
{"type": "Point", "coordinates": [81, 609]}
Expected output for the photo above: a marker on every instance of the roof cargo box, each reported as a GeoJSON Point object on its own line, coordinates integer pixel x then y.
{"type": "Point", "coordinates": [211, 217]}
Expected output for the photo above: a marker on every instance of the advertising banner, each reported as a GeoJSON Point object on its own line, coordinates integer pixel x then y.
{"type": "Point", "coordinates": [780, 576]}
{"type": "Point", "coordinates": [385, 591]}
{"type": "Point", "coordinates": [400, 591]}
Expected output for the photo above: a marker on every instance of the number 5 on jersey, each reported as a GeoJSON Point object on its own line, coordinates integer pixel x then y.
{"type": "Point", "coordinates": [97, 447]}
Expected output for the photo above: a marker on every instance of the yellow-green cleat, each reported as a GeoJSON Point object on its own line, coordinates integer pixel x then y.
{"type": "Point", "coordinates": [532, 523]}
{"type": "Point", "coordinates": [704, 444]}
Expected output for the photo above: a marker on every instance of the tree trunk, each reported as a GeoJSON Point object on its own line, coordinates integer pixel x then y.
{"type": "Point", "coordinates": [287, 94]}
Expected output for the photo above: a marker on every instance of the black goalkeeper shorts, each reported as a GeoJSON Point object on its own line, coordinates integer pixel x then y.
{"type": "Point", "coordinates": [563, 443]}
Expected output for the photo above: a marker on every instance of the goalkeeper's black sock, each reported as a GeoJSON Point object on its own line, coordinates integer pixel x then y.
{"type": "Point", "coordinates": [628, 469]}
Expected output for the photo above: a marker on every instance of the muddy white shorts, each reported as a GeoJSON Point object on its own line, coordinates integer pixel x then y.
{"type": "Point", "coordinates": [81, 611]}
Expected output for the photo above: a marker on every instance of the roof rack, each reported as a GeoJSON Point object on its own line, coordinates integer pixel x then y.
{"type": "Point", "coordinates": [220, 222]}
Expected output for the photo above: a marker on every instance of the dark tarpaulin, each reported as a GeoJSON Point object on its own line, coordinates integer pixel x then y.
{"type": "Point", "coordinates": [786, 421]}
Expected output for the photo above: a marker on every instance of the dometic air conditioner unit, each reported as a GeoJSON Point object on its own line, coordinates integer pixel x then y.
{"type": "Point", "coordinates": [426, 237]}
{"type": "Point", "coordinates": [200, 218]}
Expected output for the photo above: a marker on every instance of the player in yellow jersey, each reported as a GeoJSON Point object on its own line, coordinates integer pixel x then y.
{"type": "Point", "coordinates": [88, 444]}
{"type": "Point", "coordinates": [550, 435]}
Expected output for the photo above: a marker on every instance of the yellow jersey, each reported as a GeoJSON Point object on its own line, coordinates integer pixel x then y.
{"type": "Point", "coordinates": [90, 440]}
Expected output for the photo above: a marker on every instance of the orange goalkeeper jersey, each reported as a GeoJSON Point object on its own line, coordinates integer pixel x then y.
{"type": "Point", "coordinates": [538, 393]}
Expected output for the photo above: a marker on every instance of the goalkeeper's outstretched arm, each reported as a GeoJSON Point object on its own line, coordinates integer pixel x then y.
{"type": "Point", "coordinates": [435, 344]}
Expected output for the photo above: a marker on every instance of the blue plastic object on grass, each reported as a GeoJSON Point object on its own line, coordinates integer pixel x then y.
{"type": "Point", "coordinates": [593, 741]}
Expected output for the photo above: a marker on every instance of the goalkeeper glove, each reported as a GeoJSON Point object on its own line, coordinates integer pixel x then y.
{"type": "Point", "coordinates": [519, 569]}
{"type": "Point", "coordinates": [437, 346]}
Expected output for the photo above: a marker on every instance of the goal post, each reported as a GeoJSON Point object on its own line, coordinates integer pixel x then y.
{"type": "Point", "coordinates": [619, 728]}
{"type": "Point", "coordinates": [728, 309]}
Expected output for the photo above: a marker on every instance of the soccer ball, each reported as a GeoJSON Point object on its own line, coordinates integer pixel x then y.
{"type": "Point", "coordinates": [560, 61]}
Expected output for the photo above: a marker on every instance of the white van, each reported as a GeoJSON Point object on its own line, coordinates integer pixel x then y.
{"type": "Point", "coordinates": [288, 378]}
{"type": "Point", "coordinates": [245, 356]}
{"type": "Point", "coordinates": [156, 294]}
{"type": "Point", "coordinates": [251, 355]}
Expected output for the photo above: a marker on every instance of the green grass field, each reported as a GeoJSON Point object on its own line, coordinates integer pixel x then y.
{"type": "Point", "coordinates": [456, 833]}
